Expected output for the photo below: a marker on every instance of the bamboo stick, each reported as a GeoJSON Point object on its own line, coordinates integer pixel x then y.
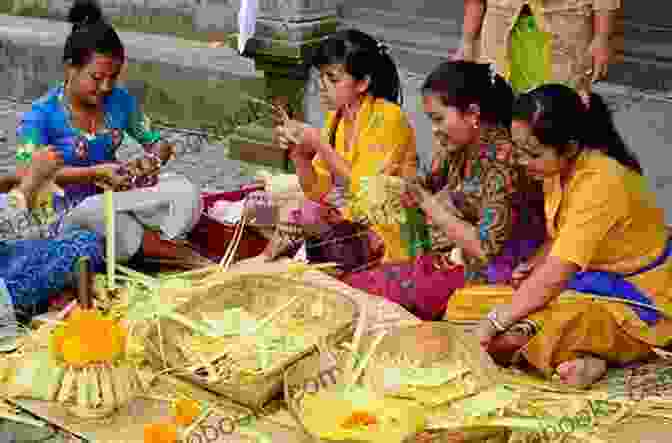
{"type": "Point", "coordinates": [109, 238]}
{"type": "Point", "coordinates": [366, 359]}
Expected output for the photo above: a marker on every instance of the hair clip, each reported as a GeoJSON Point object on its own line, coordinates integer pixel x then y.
{"type": "Point", "coordinates": [493, 74]}
{"type": "Point", "coordinates": [382, 48]}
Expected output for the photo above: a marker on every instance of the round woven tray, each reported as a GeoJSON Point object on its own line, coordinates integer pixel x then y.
{"type": "Point", "coordinates": [259, 295]}
{"type": "Point", "coordinates": [448, 343]}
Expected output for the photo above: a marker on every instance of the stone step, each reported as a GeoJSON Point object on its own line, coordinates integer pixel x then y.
{"type": "Point", "coordinates": [416, 41]}
{"type": "Point", "coordinates": [139, 46]}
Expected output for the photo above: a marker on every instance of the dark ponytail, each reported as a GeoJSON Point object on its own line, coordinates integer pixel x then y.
{"type": "Point", "coordinates": [462, 84]}
{"type": "Point", "coordinates": [559, 117]}
{"type": "Point", "coordinates": [362, 56]}
{"type": "Point", "coordinates": [90, 35]}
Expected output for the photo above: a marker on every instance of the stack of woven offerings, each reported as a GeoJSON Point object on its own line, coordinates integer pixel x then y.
{"type": "Point", "coordinates": [80, 364]}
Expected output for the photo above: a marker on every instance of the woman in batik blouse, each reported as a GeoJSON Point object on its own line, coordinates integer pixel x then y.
{"type": "Point", "coordinates": [86, 120]}
{"type": "Point", "coordinates": [37, 260]}
{"type": "Point", "coordinates": [475, 198]}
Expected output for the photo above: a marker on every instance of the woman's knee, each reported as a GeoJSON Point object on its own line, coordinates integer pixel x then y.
{"type": "Point", "coordinates": [129, 235]}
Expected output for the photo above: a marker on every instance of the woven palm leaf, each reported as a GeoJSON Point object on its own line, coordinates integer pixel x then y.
{"type": "Point", "coordinates": [232, 365]}
{"type": "Point", "coordinates": [378, 200]}
{"type": "Point", "coordinates": [474, 371]}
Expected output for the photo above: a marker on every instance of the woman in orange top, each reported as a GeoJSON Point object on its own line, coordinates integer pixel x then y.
{"type": "Point", "coordinates": [366, 133]}
{"type": "Point", "coordinates": [609, 245]}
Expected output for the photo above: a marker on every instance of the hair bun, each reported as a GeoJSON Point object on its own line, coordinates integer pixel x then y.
{"type": "Point", "coordinates": [85, 12]}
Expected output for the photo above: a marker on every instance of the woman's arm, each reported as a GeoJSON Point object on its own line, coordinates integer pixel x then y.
{"type": "Point", "coordinates": [604, 17]}
{"type": "Point", "coordinates": [541, 253]}
{"type": "Point", "coordinates": [71, 175]}
{"type": "Point", "coordinates": [595, 206]}
{"type": "Point", "coordinates": [308, 178]}
{"type": "Point", "coordinates": [334, 162]}
{"type": "Point", "coordinates": [459, 231]}
{"type": "Point", "coordinates": [474, 10]}
{"type": "Point", "coordinates": [545, 283]}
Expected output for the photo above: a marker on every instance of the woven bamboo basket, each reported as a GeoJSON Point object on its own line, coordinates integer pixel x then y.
{"type": "Point", "coordinates": [97, 391]}
{"type": "Point", "coordinates": [401, 344]}
{"type": "Point", "coordinates": [230, 366]}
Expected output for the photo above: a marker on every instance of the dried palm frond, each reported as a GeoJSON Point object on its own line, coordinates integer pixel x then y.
{"type": "Point", "coordinates": [378, 200]}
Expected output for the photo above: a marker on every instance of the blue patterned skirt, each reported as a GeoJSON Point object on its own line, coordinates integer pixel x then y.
{"type": "Point", "coordinates": [34, 270]}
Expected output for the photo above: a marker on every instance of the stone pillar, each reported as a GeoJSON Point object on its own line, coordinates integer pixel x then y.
{"type": "Point", "coordinates": [286, 32]}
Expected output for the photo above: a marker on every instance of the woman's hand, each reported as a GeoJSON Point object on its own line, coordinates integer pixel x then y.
{"type": "Point", "coordinates": [485, 332]}
{"type": "Point", "coordinates": [110, 176]}
{"type": "Point", "coordinates": [521, 273]}
{"type": "Point", "coordinates": [414, 194]}
{"type": "Point", "coordinates": [165, 151]}
{"type": "Point", "coordinates": [408, 200]}
{"type": "Point", "coordinates": [289, 134]}
{"type": "Point", "coordinates": [601, 53]}
{"type": "Point", "coordinates": [44, 165]}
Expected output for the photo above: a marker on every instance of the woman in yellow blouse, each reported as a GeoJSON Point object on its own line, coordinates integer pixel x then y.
{"type": "Point", "coordinates": [599, 292]}
{"type": "Point", "coordinates": [572, 41]}
{"type": "Point", "coordinates": [366, 133]}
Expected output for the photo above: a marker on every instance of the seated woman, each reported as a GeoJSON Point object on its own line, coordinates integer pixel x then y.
{"type": "Point", "coordinates": [608, 247]}
{"type": "Point", "coordinates": [476, 199]}
{"type": "Point", "coordinates": [86, 120]}
{"type": "Point", "coordinates": [366, 133]}
{"type": "Point", "coordinates": [38, 260]}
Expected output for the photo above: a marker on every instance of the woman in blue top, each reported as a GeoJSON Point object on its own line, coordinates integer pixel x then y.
{"type": "Point", "coordinates": [86, 119]}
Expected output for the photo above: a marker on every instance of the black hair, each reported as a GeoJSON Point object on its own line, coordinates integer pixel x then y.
{"type": "Point", "coordinates": [461, 84]}
{"type": "Point", "coordinates": [362, 56]}
{"type": "Point", "coordinates": [90, 35]}
{"type": "Point", "coordinates": [558, 117]}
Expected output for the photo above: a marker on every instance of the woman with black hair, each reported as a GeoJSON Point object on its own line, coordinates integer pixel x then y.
{"type": "Point", "coordinates": [366, 133]}
{"type": "Point", "coordinates": [597, 292]}
{"type": "Point", "coordinates": [476, 199]}
{"type": "Point", "coordinates": [86, 120]}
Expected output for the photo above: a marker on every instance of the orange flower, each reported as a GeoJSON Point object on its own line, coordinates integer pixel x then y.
{"type": "Point", "coordinates": [359, 418]}
{"type": "Point", "coordinates": [186, 411]}
{"type": "Point", "coordinates": [161, 433]}
{"type": "Point", "coordinates": [89, 337]}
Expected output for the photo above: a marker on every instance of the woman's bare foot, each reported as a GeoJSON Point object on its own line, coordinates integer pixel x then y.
{"type": "Point", "coordinates": [43, 167]}
{"type": "Point", "coordinates": [503, 347]}
{"type": "Point", "coordinates": [582, 372]}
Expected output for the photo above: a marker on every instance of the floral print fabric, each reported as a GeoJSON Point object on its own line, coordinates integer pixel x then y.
{"type": "Point", "coordinates": [494, 195]}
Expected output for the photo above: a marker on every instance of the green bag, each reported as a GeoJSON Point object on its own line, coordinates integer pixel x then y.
{"type": "Point", "coordinates": [415, 232]}
{"type": "Point", "coordinates": [530, 55]}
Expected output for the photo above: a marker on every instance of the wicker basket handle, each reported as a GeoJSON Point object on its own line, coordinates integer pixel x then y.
{"type": "Point", "coordinates": [232, 249]}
